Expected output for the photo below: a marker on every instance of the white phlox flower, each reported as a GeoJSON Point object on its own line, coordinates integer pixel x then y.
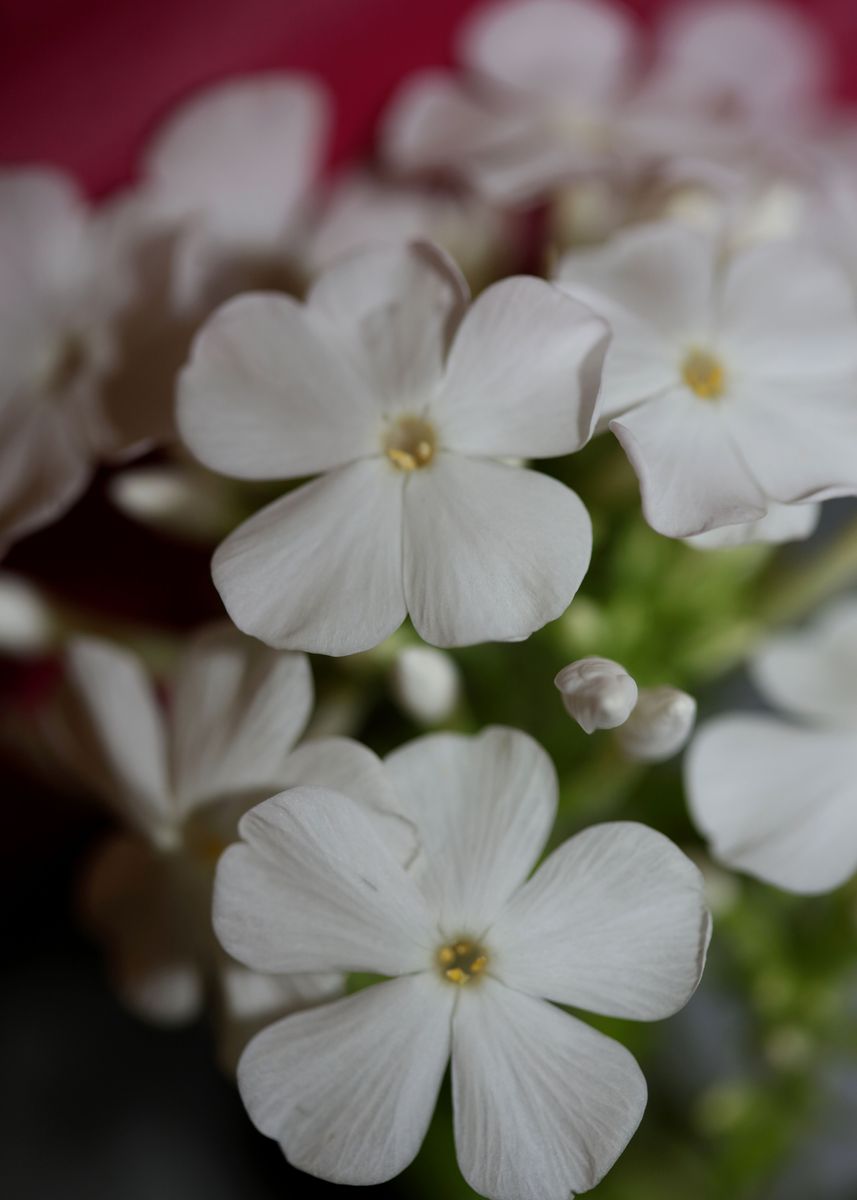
{"type": "Point", "coordinates": [546, 83]}
{"type": "Point", "coordinates": [178, 781]}
{"type": "Point", "coordinates": [234, 167]}
{"type": "Point", "coordinates": [659, 726]}
{"type": "Point", "coordinates": [774, 795]}
{"type": "Point", "coordinates": [613, 922]}
{"type": "Point", "coordinates": [729, 387]}
{"type": "Point", "coordinates": [57, 302]}
{"type": "Point", "coordinates": [402, 400]}
{"type": "Point", "coordinates": [365, 209]}
{"type": "Point", "coordinates": [426, 683]}
{"type": "Point", "coordinates": [597, 692]}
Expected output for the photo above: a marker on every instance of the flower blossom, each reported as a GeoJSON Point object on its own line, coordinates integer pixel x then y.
{"type": "Point", "coordinates": [597, 692]}
{"type": "Point", "coordinates": [179, 782]}
{"type": "Point", "coordinates": [774, 795]}
{"type": "Point", "coordinates": [479, 956]}
{"type": "Point", "coordinates": [729, 388]}
{"type": "Point", "coordinates": [403, 403]}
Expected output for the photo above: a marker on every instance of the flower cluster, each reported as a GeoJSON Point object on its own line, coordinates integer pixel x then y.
{"type": "Point", "coordinates": [349, 381]}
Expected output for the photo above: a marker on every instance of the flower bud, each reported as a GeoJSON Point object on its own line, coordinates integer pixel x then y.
{"type": "Point", "coordinates": [425, 683]}
{"type": "Point", "coordinates": [659, 726]}
{"type": "Point", "coordinates": [27, 625]}
{"type": "Point", "coordinates": [597, 692]}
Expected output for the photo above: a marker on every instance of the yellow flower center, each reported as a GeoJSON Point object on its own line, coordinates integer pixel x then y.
{"type": "Point", "coordinates": [461, 961]}
{"type": "Point", "coordinates": [410, 443]}
{"type": "Point", "coordinates": [704, 374]}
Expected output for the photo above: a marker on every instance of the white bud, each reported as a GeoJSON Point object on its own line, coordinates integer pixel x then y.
{"type": "Point", "coordinates": [27, 625]}
{"type": "Point", "coordinates": [659, 726]}
{"type": "Point", "coordinates": [597, 692]}
{"type": "Point", "coordinates": [174, 498]}
{"type": "Point", "coordinates": [425, 683]}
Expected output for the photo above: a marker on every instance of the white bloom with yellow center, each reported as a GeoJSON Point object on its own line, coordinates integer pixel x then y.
{"type": "Point", "coordinates": [731, 383]}
{"type": "Point", "coordinates": [775, 795]}
{"type": "Point", "coordinates": [179, 779]}
{"type": "Point", "coordinates": [403, 400]}
{"type": "Point", "coordinates": [613, 921]}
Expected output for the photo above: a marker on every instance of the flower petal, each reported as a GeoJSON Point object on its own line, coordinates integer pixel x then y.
{"type": "Point", "coordinates": [491, 552]}
{"type": "Point", "coordinates": [773, 330]}
{"type": "Point", "coordinates": [483, 807]}
{"type": "Point", "coordinates": [315, 887]}
{"type": "Point", "coordinates": [776, 801]}
{"type": "Point", "coordinates": [237, 710]}
{"type": "Point", "coordinates": [116, 732]}
{"type": "Point", "coordinates": [523, 373]}
{"type": "Point", "coordinates": [544, 1105]}
{"type": "Point", "coordinates": [266, 395]}
{"type": "Point", "coordinates": [244, 153]}
{"type": "Point", "coordinates": [348, 1089]}
{"type": "Point", "coordinates": [321, 568]}
{"type": "Point", "coordinates": [392, 309]}
{"type": "Point", "coordinates": [813, 672]}
{"type": "Point", "coordinates": [692, 476]}
{"type": "Point", "coordinates": [551, 48]}
{"type": "Point", "coordinates": [346, 766]}
{"type": "Point", "coordinates": [613, 921]}
{"type": "Point", "coordinates": [782, 523]}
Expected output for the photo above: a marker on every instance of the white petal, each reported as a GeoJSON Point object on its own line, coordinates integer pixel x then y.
{"type": "Point", "coordinates": [773, 330]}
{"type": "Point", "coordinates": [315, 887]}
{"type": "Point", "coordinates": [348, 1089]}
{"type": "Point", "coordinates": [597, 692]}
{"type": "Point", "coordinates": [813, 672]}
{"type": "Point", "coordinates": [343, 765]}
{"type": "Point", "coordinates": [267, 395]}
{"type": "Point", "coordinates": [662, 273]}
{"type": "Point", "coordinates": [544, 1105]}
{"type": "Point", "coordinates": [483, 807]}
{"type": "Point", "coordinates": [119, 733]}
{"type": "Point", "coordinates": [782, 523]}
{"type": "Point", "coordinates": [131, 902]}
{"type": "Point", "coordinates": [523, 373]}
{"type": "Point", "coordinates": [776, 801]}
{"type": "Point", "coordinates": [692, 475]}
{"type": "Point", "coordinates": [321, 568]}
{"type": "Point", "coordinates": [662, 721]}
{"type": "Point", "coordinates": [582, 48]}
{"type": "Point", "coordinates": [243, 153]}
{"type": "Point", "coordinates": [237, 710]}
{"type": "Point", "coordinates": [393, 309]}
{"type": "Point", "coordinates": [491, 552]}
{"type": "Point", "coordinates": [426, 684]}
{"type": "Point", "coordinates": [613, 921]}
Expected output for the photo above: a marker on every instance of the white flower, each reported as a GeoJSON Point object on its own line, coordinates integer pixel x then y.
{"type": "Point", "coordinates": [781, 523]}
{"type": "Point", "coordinates": [613, 921]}
{"type": "Point", "coordinates": [56, 304]}
{"type": "Point", "coordinates": [404, 402]}
{"type": "Point", "coordinates": [235, 167]}
{"type": "Point", "coordinates": [426, 683]}
{"type": "Point", "coordinates": [547, 79]}
{"type": "Point", "coordinates": [28, 625]}
{"type": "Point", "coordinates": [179, 782]}
{"type": "Point", "coordinates": [597, 692]}
{"type": "Point", "coordinates": [662, 721]}
{"type": "Point", "coordinates": [729, 387]}
{"type": "Point", "coordinates": [775, 796]}
{"type": "Point", "coordinates": [366, 210]}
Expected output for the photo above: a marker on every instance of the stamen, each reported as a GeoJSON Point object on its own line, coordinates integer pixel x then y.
{"type": "Point", "coordinates": [410, 443]}
{"type": "Point", "coordinates": [462, 961]}
{"type": "Point", "coordinates": [704, 374]}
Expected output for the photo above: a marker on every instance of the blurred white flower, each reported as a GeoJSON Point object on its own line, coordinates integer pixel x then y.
{"type": "Point", "coordinates": [58, 297]}
{"type": "Point", "coordinates": [781, 523]}
{"type": "Point", "coordinates": [547, 80]}
{"type": "Point", "coordinates": [426, 683]}
{"type": "Point", "coordinates": [729, 387]}
{"type": "Point", "coordinates": [178, 498]}
{"type": "Point", "coordinates": [662, 721]}
{"type": "Point", "coordinates": [597, 692]}
{"type": "Point", "coordinates": [365, 210]}
{"type": "Point", "coordinates": [403, 401]}
{"type": "Point", "coordinates": [613, 922]}
{"type": "Point", "coordinates": [179, 781]}
{"type": "Point", "coordinates": [773, 795]}
{"type": "Point", "coordinates": [27, 624]}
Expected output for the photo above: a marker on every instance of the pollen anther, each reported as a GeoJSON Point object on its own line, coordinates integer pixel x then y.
{"type": "Point", "coordinates": [410, 443]}
{"type": "Point", "coordinates": [462, 961]}
{"type": "Point", "coordinates": [704, 374]}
